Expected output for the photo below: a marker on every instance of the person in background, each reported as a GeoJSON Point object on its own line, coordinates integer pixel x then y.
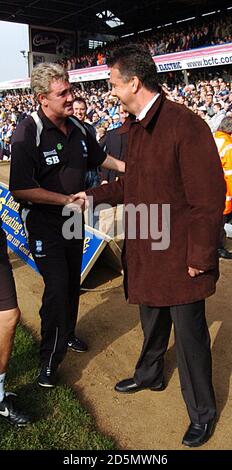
{"type": "Point", "coordinates": [209, 104]}
{"type": "Point", "coordinates": [6, 149]}
{"type": "Point", "coordinates": [101, 136]}
{"type": "Point", "coordinates": [9, 317]}
{"type": "Point", "coordinates": [219, 114]}
{"type": "Point", "coordinates": [223, 139]}
{"type": "Point", "coordinates": [116, 145]}
{"type": "Point", "coordinates": [92, 177]}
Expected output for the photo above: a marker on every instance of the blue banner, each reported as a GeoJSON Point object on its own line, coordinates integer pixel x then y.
{"type": "Point", "coordinates": [17, 240]}
{"type": "Point", "coordinates": [12, 224]}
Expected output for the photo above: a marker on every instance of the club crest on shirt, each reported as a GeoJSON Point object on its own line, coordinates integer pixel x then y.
{"type": "Point", "coordinates": [39, 249]}
{"type": "Point", "coordinates": [85, 150]}
{"type": "Point", "coordinates": [51, 157]}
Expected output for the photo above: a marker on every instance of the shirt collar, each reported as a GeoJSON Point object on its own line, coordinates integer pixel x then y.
{"type": "Point", "coordinates": [148, 106]}
{"type": "Point", "coordinates": [49, 124]}
{"type": "Point", "coordinates": [151, 115]}
{"type": "Point", "coordinates": [46, 121]}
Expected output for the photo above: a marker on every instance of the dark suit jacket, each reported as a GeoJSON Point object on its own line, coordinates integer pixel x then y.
{"type": "Point", "coordinates": [115, 145]}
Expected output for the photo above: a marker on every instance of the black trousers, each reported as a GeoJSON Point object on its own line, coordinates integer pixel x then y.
{"type": "Point", "coordinates": [225, 220]}
{"type": "Point", "coordinates": [59, 263]}
{"type": "Point", "coordinates": [193, 353]}
{"type": "Point", "coordinates": [8, 299]}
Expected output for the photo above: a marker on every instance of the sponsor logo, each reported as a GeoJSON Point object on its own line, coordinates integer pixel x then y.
{"type": "Point", "coordinates": [45, 39]}
{"type": "Point", "coordinates": [169, 66]}
{"type": "Point", "coordinates": [5, 412]}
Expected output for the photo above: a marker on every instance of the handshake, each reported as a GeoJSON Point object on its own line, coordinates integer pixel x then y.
{"type": "Point", "coordinates": [77, 202]}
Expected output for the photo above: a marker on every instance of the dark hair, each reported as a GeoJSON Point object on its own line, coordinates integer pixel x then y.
{"type": "Point", "coordinates": [133, 60]}
{"type": "Point", "coordinates": [80, 100]}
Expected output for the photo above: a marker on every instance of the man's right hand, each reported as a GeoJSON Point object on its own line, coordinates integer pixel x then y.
{"type": "Point", "coordinates": [78, 201]}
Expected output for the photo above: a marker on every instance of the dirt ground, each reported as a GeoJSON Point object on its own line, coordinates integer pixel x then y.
{"type": "Point", "coordinates": [146, 420]}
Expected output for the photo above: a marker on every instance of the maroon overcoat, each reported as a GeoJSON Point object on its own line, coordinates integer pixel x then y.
{"type": "Point", "coordinates": [171, 159]}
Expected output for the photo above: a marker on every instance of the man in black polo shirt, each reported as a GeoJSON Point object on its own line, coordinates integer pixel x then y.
{"type": "Point", "coordinates": [51, 152]}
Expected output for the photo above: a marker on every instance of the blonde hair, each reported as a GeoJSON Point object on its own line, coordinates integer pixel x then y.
{"type": "Point", "coordinates": [43, 74]}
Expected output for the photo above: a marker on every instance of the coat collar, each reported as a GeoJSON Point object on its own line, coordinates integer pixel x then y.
{"type": "Point", "coordinates": [153, 111]}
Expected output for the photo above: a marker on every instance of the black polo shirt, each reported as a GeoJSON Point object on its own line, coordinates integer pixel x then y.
{"type": "Point", "coordinates": [58, 164]}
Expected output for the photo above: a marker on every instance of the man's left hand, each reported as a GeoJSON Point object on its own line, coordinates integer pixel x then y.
{"type": "Point", "coordinates": [193, 272]}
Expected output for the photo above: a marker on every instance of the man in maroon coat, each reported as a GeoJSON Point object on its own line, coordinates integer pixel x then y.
{"type": "Point", "coordinates": [173, 167]}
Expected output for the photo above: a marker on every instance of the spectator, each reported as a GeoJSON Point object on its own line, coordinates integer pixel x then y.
{"type": "Point", "coordinates": [92, 177]}
{"type": "Point", "coordinates": [116, 145]}
{"type": "Point", "coordinates": [223, 139]}
{"type": "Point", "coordinates": [217, 118]}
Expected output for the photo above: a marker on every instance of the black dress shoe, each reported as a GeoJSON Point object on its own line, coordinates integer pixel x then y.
{"type": "Point", "coordinates": [197, 434]}
{"type": "Point", "coordinates": [130, 386]}
{"type": "Point", "coordinates": [223, 253]}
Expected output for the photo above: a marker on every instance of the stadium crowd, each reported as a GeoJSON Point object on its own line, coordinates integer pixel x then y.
{"type": "Point", "coordinates": [211, 99]}
{"type": "Point", "coordinates": [165, 40]}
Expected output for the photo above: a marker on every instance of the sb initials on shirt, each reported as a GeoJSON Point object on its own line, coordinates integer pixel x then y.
{"type": "Point", "coordinates": [52, 160]}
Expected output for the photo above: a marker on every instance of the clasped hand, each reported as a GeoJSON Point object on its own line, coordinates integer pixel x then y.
{"type": "Point", "coordinates": [78, 202]}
